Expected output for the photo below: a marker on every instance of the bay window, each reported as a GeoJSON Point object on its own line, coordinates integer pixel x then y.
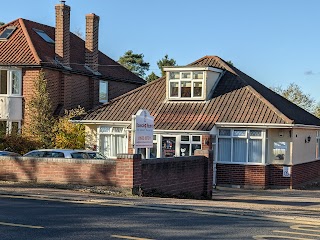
{"type": "Point", "coordinates": [240, 146]}
{"type": "Point", "coordinates": [188, 144]}
{"type": "Point", "coordinates": [112, 141]}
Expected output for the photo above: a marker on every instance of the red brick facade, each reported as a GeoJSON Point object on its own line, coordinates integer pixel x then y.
{"type": "Point", "coordinates": [188, 175]}
{"type": "Point", "coordinates": [270, 176]}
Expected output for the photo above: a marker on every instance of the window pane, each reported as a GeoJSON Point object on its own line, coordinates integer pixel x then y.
{"type": "Point", "coordinates": [186, 75]}
{"type": "Point", "coordinates": [117, 129]}
{"type": "Point", "coordinates": [119, 144]}
{"type": "Point", "coordinates": [255, 133]}
{"type": "Point", "coordinates": [185, 89]}
{"type": "Point", "coordinates": [185, 138]}
{"type": "Point", "coordinates": [174, 75]}
{"type": "Point", "coordinates": [196, 138]}
{"type": "Point", "coordinates": [197, 89]}
{"type": "Point", "coordinates": [185, 150]}
{"type": "Point", "coordinates": [255, 150]}
{"type": "Point", "coordinates": [239, 150]}
{"type": "Point", "coordinates": [14, 127]}
{"type": "Point", "coordinates": [103, 91]}
{"type": "Point", "coordinates": [198, 75]}
{"type": "Point", "coordinates": [174, 89]}
{"type": "Point", "coordinates": [239, 133]}
{"type": "Point", "coordinates": [106, 146]}
{"type": "Point", "coordinates": [279, 150]}
{"type": "Point", "coordinates": [224, 132]}
{"type": "Point", "coordinates": [105, 129]}
{"type": "Point", "coordinates": [15, 82]}
{"type": "Point", "coordinates": [3, 127]}
{"type": "Point", "coordinates": [224, 150]}
{"type": "Point", "coordinates": [3, 82]}
{"type": "Point", "coordinates": [153, 151]}
{"type": "Point", "coordinates": [194, 147]}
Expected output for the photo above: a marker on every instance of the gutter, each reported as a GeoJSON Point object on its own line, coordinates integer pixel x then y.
{"type": "Point", "coordinates": [265, 125]}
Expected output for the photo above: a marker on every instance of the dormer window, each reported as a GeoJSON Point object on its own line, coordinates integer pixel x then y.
{"type": "Point", "coordinates": [186, 84]}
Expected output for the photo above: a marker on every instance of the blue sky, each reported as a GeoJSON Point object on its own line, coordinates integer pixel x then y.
{"type": "Point", "coordinates": [276, 42]}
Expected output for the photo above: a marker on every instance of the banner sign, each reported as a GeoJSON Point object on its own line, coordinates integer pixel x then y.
{"type": "Point", "coordinates": [143, 125]}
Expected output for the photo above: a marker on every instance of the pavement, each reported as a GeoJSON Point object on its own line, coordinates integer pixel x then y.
{"type": "Point", "coordinates": [282, 205]}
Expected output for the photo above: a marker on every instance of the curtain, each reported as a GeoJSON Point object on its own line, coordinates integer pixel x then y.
{"type": "Point", "coordinates": [224, 149]}
{"type": "Point", "coordinates": [255, 150]}
{"type": "Point", "coordinates": [239, 150]}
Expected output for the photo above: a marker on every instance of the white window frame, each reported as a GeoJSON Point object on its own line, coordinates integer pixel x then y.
{"type": "Point", "coordinates": [9, 125]}
{"type": "Point", "coordinates": [247, 136]}
{"type": "Point", "coordinates": [107, 91]}
{"type": "Point", "coordinates": [192, 80]}
{"type": "Point", "coordinates": [318, 145]}
{"type": "Point", "coordinates": [10, 81]}
{"type": "Point", "coordinates": [105, 130]}
{"type": "Point", "coordinates": [190, 142]}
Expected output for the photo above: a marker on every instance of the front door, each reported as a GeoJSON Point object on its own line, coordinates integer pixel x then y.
{"type": "Point", "coordinates": [169, 146]}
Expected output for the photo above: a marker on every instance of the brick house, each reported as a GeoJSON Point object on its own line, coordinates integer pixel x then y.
{"type": "Point", "coordinates": [77, 72]}
{"type": "Point", "coordinates": [259, 139]}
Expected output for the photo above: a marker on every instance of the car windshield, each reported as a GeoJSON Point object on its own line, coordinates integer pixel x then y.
{"type": "Point", "coordinates": [96, 155]}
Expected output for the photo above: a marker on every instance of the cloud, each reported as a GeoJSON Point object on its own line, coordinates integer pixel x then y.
{"type": "Point", "coordinates": [309, 72]}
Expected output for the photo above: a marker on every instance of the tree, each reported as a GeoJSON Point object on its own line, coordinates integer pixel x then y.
{"type": "Point", "coordinates": [152, 76]}
{"type": "Point", "coordinates": [39, 107]}
{"type": "Point", "coordinates": [1, 23]}
{"type": "Point", "coordinates": [317, 110]}
{"type": "Point", "coordinates": [67, 134]}
{"type": "Point", "coordinates": [165, 62]}
{"type": "Point", "coordinates": [294, 94]}
{"type": "Point", "coordinates": [134, 62]}
{"type": "Point", "coordinates": [230, 62]}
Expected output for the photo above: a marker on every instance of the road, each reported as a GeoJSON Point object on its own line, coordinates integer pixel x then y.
{"type": "Point", "coordinates": [30, 218]}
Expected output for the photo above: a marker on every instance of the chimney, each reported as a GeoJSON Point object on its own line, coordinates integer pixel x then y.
{"type": "Point", "coordinates": [62, 38]}
{"type": "Point", "coordinates": [92, 32]}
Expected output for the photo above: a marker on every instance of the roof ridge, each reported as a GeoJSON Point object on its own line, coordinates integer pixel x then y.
{"type": "Point", "coordinates": [30, 44]}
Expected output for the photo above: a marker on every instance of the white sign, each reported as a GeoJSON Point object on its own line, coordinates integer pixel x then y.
{"type": "Point", "coordinates": [286, 171]}
{"type": "Point", "coordinates": [143, 125]}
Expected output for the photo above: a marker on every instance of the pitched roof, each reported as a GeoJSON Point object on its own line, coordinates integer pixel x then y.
{"type": "Point", "coordinates": [237, 99]}
{"type": "Point", "coordinates": [26, 47]}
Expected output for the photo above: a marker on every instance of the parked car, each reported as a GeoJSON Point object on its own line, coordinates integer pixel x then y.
{"type": "Point", "coordinates": [7, 153]}
{"type": "Point", "coordinates": [65, 153]}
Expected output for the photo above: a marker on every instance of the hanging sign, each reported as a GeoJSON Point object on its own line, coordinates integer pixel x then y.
{"type": "Point", "coordinates": [143, 125]}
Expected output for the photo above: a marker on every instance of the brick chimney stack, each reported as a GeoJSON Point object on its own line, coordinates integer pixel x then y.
{"type": "Point", "coordinates": [62, 34]}
{"type": "Point", "coordinates": [92, 32]}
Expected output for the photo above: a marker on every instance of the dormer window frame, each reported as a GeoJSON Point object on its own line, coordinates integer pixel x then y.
{"type": "Point", "coordinates": [198, 79]}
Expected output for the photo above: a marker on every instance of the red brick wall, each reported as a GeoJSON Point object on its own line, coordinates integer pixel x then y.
{"type": "Point", "coordinates": [118, 88]}
{"type": "Point", "coordinates": [61, 171]}
{"type": "Point", "coordinates": [276, 179]}
{"type": "Point", "coordinates": [241, 175]}
{"type": "Point", "coordinates": [305, 172]}
{"type": "Point", "coordinates": [176, 176]}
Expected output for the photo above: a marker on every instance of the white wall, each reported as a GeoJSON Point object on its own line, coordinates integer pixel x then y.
{"type": "Point", "coordinates": [303, 152]}
{"type": "Point", "coordinates": [91, 136]}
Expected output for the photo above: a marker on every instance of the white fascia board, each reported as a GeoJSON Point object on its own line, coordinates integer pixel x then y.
{"type": "Point", "coordinates": [265, 125]}
{"type": "Point", "coordinates": [259, 125]}
{"type": "Point", "coordinates": [101, 122]}
{"type": "Point", "coordinates": [173, 132]}
{"type": "Point", "coordinates": [189, 68]}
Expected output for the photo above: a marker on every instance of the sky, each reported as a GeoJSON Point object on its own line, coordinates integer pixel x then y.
{"type": "Point", "coordinates": [276, 42]}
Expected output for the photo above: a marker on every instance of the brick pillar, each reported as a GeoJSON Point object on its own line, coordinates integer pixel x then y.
{"type": "Point", "coordinates": [208, 171]}
{"type": "Point", "coordinates": [62, 33]}
{"type": "Point", "coordinates": [92, 33]}
{"type": "Point", "coordinates": [128, 172]}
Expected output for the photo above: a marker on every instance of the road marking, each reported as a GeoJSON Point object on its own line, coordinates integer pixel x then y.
{"type": "Point", "coordinates": [262, 237]}
{"type": "Point", "coordinates": [129, 237]}
{"type": "Point", "coordinates": [297, 233]}
{"type": "Point", "coordinates": [199, 212]}
{"type": "Point", "coordinates": [306, 228]}
{"type": "Point", "coordinates": [19, 225]}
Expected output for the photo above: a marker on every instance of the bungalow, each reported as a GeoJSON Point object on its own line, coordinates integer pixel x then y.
{"type": "Point", "coordinates": [77, 72]}
{"type": "Point", "coordinates": [258, 138]}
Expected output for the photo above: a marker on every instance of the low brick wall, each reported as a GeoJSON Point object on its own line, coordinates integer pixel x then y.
{"type": "Point", "coordinates": [241, 175]}
{"type": "Point", "coordinates": [181, 176]}
{"type": "Point", "coordinates": [269, 176]}
{"type": "Point", "coordinates": [171, 176]}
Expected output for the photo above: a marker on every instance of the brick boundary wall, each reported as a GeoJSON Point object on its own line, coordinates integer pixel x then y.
{"type": "Point", "coordinates": [269, 176]}
{"type": "Point", "coordinates": [178, 176]}
{"type": "Point", "coordinates": [190, 175]}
